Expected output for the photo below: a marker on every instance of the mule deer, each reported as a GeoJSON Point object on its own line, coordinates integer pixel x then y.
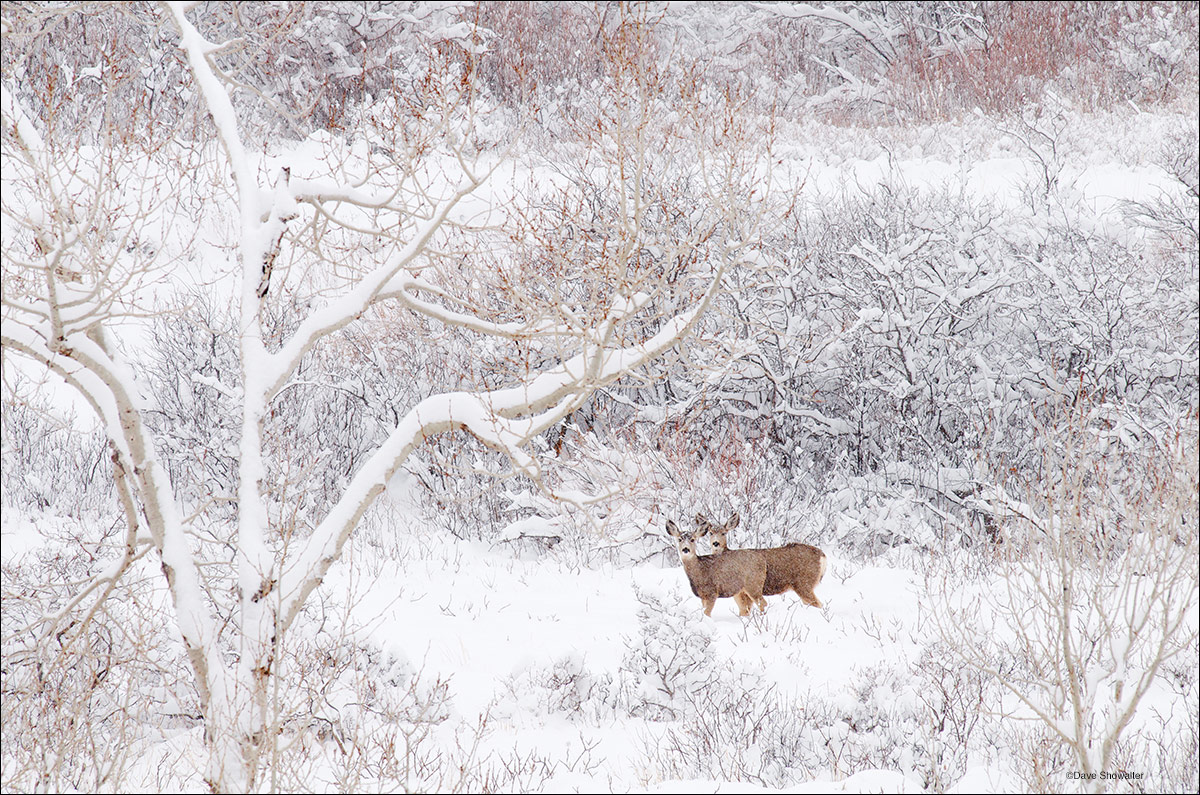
{"type": "Point", "coordinates": [796, 567]}
{"type": "Point", "coordinates": [713, 577]}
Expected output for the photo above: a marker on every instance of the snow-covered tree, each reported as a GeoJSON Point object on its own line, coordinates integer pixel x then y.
{"type": "Point", "coordinates": [396, 220]}
{"type": "Point", "coordinates": [1100, 587]}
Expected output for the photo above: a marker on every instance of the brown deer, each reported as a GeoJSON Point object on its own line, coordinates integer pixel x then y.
{"type": "Point", "coordinates": [796, 567]}
{"type": "Point", "coordinates": [713, 577]}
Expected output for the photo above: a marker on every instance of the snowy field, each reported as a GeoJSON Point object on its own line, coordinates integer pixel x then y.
{"type": "Point", "coordinates": [406, 457]}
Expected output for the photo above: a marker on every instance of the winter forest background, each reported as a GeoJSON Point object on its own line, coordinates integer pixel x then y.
{"type": "Point", "coordinates": [355, 355]}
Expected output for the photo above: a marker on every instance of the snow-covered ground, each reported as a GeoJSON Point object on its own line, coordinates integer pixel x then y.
{"type": "Point", "coordinates": [543, 672]}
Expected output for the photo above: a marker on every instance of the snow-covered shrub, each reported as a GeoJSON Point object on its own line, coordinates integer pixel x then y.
{"type": "Point", "coordinates": [1172, 218]}
{"type": "Point", "coordinates": [70, 59]}
{"type": "Point", "coordinates": [878, 513]}
{"type": "Point", "coordinates": [1170, 742]}
{"type": "Point", "coordinates": [861, 343]}
{"type": "Point", "coordinates": [954, 58]}
{"type": "Point", "coordinates": [1151, 54]}
{"type": "Point", "coordinates": [388, 726]}
{"type": "Point", "coordinates": [667, 663]}
{"type": "Point", "coordinates": [956, 700]}
{"type": "Point", "coordinates": [51, 467]}
{"type": "Point", "coordinates": [379, 718]}
{"type": "Point", "coordinates": [532, 72]}
{"type": "Point", "coordinates": [78, 703]}
{"type": "Point", "coordinates": [746, 735]}
{"type": "Point", "coordinates": [566, 686]}
{"type": "Point", "coordinates": [919, 336]}
{"type": "Point", "coordinates": [876, 725]}
{"type": "Point", "coordinates": [193, 379]}
{"type": "Point", "coordinates": [746, 731]}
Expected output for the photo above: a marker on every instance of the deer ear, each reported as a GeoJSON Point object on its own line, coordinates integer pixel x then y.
{"type": "Point", "coordinates": [733, 522]}
{"type": "Point", "coordinates": [672, 529]}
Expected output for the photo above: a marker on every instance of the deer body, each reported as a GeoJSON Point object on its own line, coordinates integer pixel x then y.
{"type": "Point", "coordinates": [713, 577]}
{"type": "Point", "coordinates": [795, 567]}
